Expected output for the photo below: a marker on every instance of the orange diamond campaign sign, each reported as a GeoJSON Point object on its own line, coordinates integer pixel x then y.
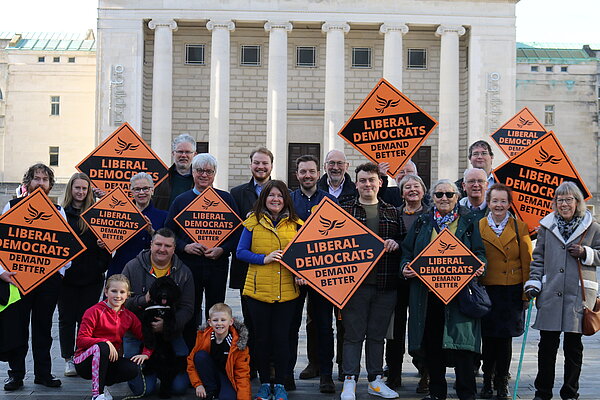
{"type": "Point", "coordinates": [120, 156]}
{"type": "Point", "coordinates": [446, 265]}
{"type": "Point", "coordinates": [333, 252]}
{"type": "Point", "coordinates": [520, 132]}
{"type": "Point", "coordinates": [208, 219]}
{"type": "Point", "coordinates": [36, 241]}
{"type": "Point", "coordinates": [534, 175]}
{"type": "Point", "coordinates": [388, 127]}
{"type": "Point", "coordinates": [114, 219]}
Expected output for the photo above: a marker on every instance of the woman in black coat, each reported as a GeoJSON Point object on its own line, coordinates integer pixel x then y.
{"type": "Point", "coordinates": [82, 285]}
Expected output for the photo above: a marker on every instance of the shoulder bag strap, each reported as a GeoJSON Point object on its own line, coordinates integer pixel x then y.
{"type": "Point", "coordinates": [579, 267]}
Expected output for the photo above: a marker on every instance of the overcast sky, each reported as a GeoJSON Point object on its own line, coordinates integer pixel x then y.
{"type": "Point", "coordinates": [550, 21]}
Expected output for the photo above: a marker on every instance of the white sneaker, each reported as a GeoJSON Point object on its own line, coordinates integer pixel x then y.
{"type": "Point", "coordinates": [379, 388]}
{"type": "Point", "coordinates": [349, 389]}
{"type": "Point", "coordinates": [70, 368]}
{"type": "Point", "coordinates": [99, 397]}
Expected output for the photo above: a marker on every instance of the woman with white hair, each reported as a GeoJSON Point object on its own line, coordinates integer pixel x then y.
{"type": "Point", "coordinates": [568, 240]}
{"type": "Point", "coordinates": [438, 332]}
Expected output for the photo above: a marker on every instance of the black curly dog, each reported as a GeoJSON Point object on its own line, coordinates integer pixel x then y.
{"type": "Point", "coordinates": [164, 298]}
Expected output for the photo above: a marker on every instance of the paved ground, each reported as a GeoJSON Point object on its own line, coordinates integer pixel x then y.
{"type": "Point", "coordinates": [77, 388]}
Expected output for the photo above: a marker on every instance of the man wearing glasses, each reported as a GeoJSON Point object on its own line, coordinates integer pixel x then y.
{"type": "Point", "coordinates": [480, 156]}
{"type": "Point", "coordinates": [475, 184]}
{"type": "Point", "coordinates": [209, 266]}
{"type": "Point", "coordinates": [142, 187]}
{"type": "Point", "coordinates": [180, 177]}
{"type": "Point", "coordinates": [336, 180]}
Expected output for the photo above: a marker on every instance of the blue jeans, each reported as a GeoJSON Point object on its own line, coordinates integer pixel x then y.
{"type": "Point", "coordinates": [132, 346]}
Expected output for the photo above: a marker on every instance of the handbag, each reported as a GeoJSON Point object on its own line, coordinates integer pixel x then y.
{"type": "Point", "coordinates": [591, 318]}
{"type": "Point", "coordinates": [473, 300]}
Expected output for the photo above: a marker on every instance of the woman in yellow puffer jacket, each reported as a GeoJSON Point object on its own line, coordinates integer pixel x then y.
{"type": "Point", "coordinates": [270, 288]}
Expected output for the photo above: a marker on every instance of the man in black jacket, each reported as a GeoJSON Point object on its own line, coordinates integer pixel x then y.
{"type": "Point", "coordinates": [245, 195]}
{"type": "Point", "coordinates": [180, 177]}
{"type": "Point", "coordinates": [336, 180]}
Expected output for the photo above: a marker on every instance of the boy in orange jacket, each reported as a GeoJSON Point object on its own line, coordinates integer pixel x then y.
{"type": "Point", "coordinates": [219, 364]}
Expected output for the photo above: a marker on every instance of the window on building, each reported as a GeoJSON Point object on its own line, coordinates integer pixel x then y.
{"type": "Point", "coordinates": [42, 59]}
{"type": "Point", "coordinates": [549, 114]}
{"type": "Point", "coordinates": [417, 59]}
{"type": "Point", "coordinates": [563, 69]}
{"type": "Point", "coordinates": [55, 59]}
{"type": "Point", "coordinates": [1, 97]}
{"type": "Point", "coordinates": [361, 57]}
{"type": "Point", "coordinates": [55, 105]}
{"type": "Point", "coordinates": [306, 56]}
{"type": "Point", "coordinates": [250, 56]}
{"type": "Point", "coordinates": [548, 69]}
{"type": "Point", "coordinates": [194, 54]}
{"type": "Point", "coordinates": [534, 68]}
{"type": "Point", "coordinates": [71, 59]}
{"type": "Point", "coordinates": [53, 156]}
{"type": "Point", "coordinates": [201, 147]}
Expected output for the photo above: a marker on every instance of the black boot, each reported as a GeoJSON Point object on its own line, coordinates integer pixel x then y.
{"type": "Point", "coordinates": [486, 390]}
{"type": "Point", "coordinates": [502, 388]}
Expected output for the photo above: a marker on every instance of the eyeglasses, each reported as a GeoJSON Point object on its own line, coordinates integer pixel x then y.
{"type": "Point", "coordinates": [141, 189]}
{"type": "Point", "coordinates": [474, 181]}
{"type": "Point", "coordinates": [439, 195]}
{"type": "Point", "coordinates": [566, 200]}
{"type": "Point", "coordinates": [182, 152]}
{"type": "Point", "coordinates": [480, 153]}
{"type": "Point", "coordinates": [208, 172]}
{"type": "Point", "coordinates": [334, 163]}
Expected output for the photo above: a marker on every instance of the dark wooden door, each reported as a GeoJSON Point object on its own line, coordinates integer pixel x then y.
{"type": "Point", "coordinates": [296, 150]}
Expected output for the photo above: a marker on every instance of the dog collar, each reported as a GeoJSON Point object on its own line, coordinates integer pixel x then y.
{"type": "Point", "coordinates": [157, 307]}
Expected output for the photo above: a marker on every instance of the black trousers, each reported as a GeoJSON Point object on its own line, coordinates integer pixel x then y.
{"type": "Point", "coordinates": [394, 348]}
{"type": "Point", "coordinates": [496, 356]}
{"type": "Point", "coordinates": [38, 305]}
{"type": "Point", "coordinates": [72, 303]}
{"type": "Point", "coordinates": [210, 283]}
{"type": "Point", "coordinates": [272, 323]}
{"type": "Point", "coordinates": [436, 356]}
{"type": "Point", "coordinates": [109, 372]}
{"type": "Point", "coordinates": [547, 350]}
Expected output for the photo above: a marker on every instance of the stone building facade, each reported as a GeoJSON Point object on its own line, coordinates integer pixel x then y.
{"type": "Point", "coordinates": [287, 74]}
{"type": "Point", "coordinates": [47, 103]}
{"type": "Point", "coordinates": [561, 87]}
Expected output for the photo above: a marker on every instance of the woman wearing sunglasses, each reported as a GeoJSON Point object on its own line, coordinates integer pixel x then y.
{"type": "Point", "coordinates": [441, 333]}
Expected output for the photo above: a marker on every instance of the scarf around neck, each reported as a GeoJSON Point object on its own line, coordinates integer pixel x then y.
{"type": "Point", "coordinates": [566, 228]}
{"type": "Point", "coordinates": [498, 229]}
{"type": "Point", "coordinates": [442, 222]}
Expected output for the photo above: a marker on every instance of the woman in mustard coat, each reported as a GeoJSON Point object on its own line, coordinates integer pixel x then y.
{"type": "Point", "coordinates": [508, 252]}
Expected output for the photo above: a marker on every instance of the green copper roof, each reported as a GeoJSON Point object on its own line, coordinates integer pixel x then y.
{"type": "Point", "coordinates": [50, 41]}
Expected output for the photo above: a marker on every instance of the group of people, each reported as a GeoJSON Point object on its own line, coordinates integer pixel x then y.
{"type": "Point", "coordinates": [224, 353]}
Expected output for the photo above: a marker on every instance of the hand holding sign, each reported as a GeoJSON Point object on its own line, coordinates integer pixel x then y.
{"type": "Point", "coordinates": [332, 252]}
{"type": "Point", "coordinates": [445, 266]}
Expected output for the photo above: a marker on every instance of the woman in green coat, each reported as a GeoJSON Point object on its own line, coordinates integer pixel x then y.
{"type": "Point", "coordinates": [441, 333]}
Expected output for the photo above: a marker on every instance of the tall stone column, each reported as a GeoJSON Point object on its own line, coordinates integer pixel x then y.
{"type": "Point", "coordinates": [162, 87]}
{"type": "Point", "coordinates": [218, 120]}
{"type": "Point", "coordinates": [277, 96]}
{"type": "Point", "coordinates": [392, 52]}
{"type": "Point", "coordinates": [449, 101]}
{"type": "Point", "coordinates": [334, 84]}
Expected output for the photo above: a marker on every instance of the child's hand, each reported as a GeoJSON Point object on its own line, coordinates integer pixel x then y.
{"type": "Point", "coordinates": [113, 355]}
{"type": "Point", "coordinates": [139, 359]}
{"type": "Point", "coordinates": [200, 392]}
